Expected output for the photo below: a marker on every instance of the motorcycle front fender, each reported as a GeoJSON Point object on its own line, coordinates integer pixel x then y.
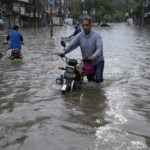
{"type": "Point", "coordinates": [64, 87]}
{"type": "Point", "coordinates": [72, 84]}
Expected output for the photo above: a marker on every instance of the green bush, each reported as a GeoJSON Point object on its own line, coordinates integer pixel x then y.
{"type": "Point", "coordinates": [98, 15]}
{"type": "Point", "coordinates": [75, 14]}
{"type": "Point", "coordinates": [107, 18]}
{"type": "Point", "coordinates": [118, 17]}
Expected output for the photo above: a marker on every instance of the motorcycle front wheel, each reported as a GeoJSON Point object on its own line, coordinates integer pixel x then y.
{"type": "Point", "coordinates": [72, 85]}
{"type": "Point", "coordinates": [63, 92]}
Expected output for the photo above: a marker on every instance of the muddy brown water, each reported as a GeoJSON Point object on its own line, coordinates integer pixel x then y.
{"type": "Point", "coordinates": [35, 116]}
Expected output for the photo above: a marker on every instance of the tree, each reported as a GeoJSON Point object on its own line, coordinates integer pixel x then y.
{"type": "Point", "coordinates": [119, 5]}
{"type": "Point", "coordinates": [137, 7]}
{"type": "Point", "coordinates": [108, 18]}
{"type": "Point", "coordinates": [118, 16]}
{"type": "Point", "coordinates": [103, 11]}
{"type": "Point", "coordinates": [75, 14]}
{"type": "Point", "coordinates": [105, 6]}
{"type": "Point", "coordinates": [98, 16]}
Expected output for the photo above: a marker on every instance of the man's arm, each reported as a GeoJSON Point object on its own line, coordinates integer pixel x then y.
{"type": "Point", "coordinates": [73, 44]}
{"type": "Point", "coordinates": [21, 38]}
{"type": "Point", "coordinates": [8, 37]}
{"type": "Point", "coordinates": [72, 35]}
{"type": "Point", "coordinates": [99, 46]}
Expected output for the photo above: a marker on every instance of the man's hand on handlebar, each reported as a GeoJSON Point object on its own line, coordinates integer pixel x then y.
{"type": "Point", "coordinates": [60, 54]}
{"type": "Point", "coordinates": [92, 58]}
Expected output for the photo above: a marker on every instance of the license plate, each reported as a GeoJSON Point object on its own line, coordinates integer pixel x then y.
{"type": "Point", "coordinates": [70, 75]}
{"type": "Point", "coordinates": [17, 56]}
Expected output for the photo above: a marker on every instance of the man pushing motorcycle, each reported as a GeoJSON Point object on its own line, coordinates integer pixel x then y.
{"type": "Point", "coordinates": [91, 46]}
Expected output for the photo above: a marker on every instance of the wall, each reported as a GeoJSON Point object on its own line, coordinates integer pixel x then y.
{"type": "Point", "coordinates": [56, 21]}
{"type": "Point", "coordinates": [147, 22]}
{"type": "Point", "coordinates": [69, 21]}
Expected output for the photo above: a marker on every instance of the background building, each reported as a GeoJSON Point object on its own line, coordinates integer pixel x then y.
{"type": "Point", "coordinates": [14, 9]}
{"type": "Point", "coordinates": [33, 13]}
{"type": "Point", "coordinates": [25, 13]}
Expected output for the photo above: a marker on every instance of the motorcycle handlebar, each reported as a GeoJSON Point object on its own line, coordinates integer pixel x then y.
{"type": "Point", "coordinates": [61, 55]}
{"type": "Point", "coordinates": [86, 59]}
{"type": "Point", "coordinates": [5, 43]}
{"type": "Point", "coordinates": [8, 43]}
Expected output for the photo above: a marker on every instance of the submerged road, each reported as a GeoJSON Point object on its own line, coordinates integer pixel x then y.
{"type": "Point", "coordinates": [35, 116]}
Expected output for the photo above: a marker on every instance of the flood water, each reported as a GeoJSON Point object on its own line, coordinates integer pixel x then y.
{"type": "Point", "coordinates": [35, 116]}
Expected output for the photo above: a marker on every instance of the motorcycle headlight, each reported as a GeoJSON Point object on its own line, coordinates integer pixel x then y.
{"type": "Point", "coordinates": [70, 69]}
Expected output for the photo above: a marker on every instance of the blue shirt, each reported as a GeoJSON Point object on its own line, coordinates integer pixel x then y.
{"type": "Point", "coordinates": [76, 32]}
{"type": "Point", "coordinates": [15, 38]}
{"type": "Point", "coordinates": [90, 46]}
{"type": "Point", "coordinates": [79, 28]}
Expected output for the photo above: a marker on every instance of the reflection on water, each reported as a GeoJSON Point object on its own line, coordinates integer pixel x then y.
{"type": "Point", "coordinates": [34, 114]}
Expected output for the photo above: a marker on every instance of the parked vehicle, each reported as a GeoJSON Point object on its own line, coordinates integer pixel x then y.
{"type": "Point", "coordinates": [104, 24]}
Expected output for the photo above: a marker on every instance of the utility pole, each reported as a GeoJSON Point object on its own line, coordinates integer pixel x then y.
{"type": "Point", "coordinates": [38, 13]}
{"type": "Point", "coordinates": [126, 5]}
{"type": "Point", "coordinates": [142, 15]}
{"type": "Point", "coordinates": [51, 24]}
{"type": "Point", "coordinates": [34, 13]}
{"type": "Point", "coordinates": [127, 17]}
{"type": "Point", "coordinates": [84, 9]}
{"type": "Point", "coordinates": [60, 14]}
{"type": "Point", "coordinates": [50, 11]}
{"type": "Point", "coordinates": [84, 5]}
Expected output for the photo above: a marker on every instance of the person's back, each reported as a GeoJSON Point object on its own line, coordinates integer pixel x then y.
{"type": "Point", "coordinates": [15, 38]}
{"type": "Point", "coordinates": [76, 31]}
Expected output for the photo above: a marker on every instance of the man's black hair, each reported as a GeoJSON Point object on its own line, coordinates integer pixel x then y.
{"type": "Point", "coordinates": [76, 27]}
{"type": "Point", "coordinates": [86, 19]}
{"type": "Point", "coordinates": [15, 27]}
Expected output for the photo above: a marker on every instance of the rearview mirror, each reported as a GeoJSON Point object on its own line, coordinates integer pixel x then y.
{"type": "Point", "coordinates": [63, 43]}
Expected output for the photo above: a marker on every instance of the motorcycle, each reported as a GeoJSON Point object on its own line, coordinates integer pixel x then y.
{"type": "Point", "coordinates": [73, 75]}
{"type": "Point", "coordinates": [14, 53]}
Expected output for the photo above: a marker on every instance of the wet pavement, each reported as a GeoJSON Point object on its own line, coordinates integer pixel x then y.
{"type": "Point", "coordinates": [35, 116]}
